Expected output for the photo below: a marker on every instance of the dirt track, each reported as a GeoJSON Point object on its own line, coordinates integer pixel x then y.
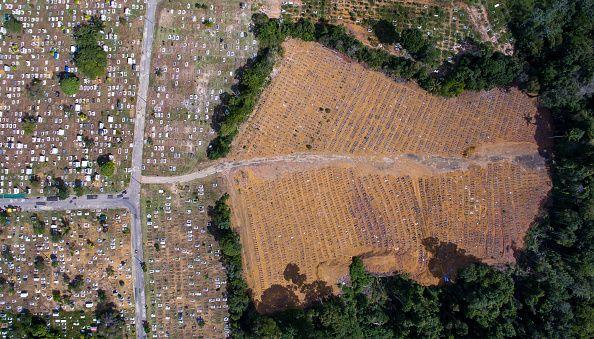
{"type": "Point", "coordinates": [403, 163]}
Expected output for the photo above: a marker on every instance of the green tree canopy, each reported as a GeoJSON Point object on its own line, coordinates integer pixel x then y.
{"type": "Point", "coordinates": [89, 57]}
{"type": "Point", "coordinates": [69, 83]}
{"type": "Point", "coordinates": [12, 24]}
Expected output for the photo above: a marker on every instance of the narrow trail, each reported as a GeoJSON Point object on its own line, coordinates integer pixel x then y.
{"type": "Point", "coordinates": [432, 163]}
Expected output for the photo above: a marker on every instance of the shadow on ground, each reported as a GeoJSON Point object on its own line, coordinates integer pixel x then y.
{"type": "Point", "coordinates": [447, 259]}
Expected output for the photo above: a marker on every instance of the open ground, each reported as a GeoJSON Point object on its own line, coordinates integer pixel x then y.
{"type": "Point", "coordinates": [425, 184]}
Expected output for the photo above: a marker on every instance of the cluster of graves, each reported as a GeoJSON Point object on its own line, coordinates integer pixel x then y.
{"type": "Point", "coordinates": [186, 281]}
{"type": "Point", "coordinates": [46, 134]}
{"type": "Point", "coordinates": [60, 264]}
{"type": "Point", "coordinates": [198, 48]}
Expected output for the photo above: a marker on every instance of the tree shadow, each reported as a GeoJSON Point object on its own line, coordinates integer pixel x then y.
{"type": "Point", "coordinates": [292, 274]}
{"type": "Point", "coordinates": [221, 110]}
{"type": "Point", "coordinates": [315, 292]}
{"type": "Point", "coordinates": [447, 259]}
{"type": "Point", "coordinates": [277, 298]}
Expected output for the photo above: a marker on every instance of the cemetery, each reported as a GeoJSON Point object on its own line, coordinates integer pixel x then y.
{"type": "Point", "coordinates": [63, 266]}
{"type": "Point", "coordinates": [57, 119]}
{"type": "Point", "coordinates": [447, 24]}
{"type": "Point", "coordinates": [466, 171]}
{"type": "Point", "coordinates": [198, 48]}
{"type": "Point", "coordinates": [321, 102]}
{"type": "Point", "coordinates": [185, 279]}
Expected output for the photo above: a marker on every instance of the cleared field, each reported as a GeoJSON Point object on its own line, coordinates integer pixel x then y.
{"type": "Point", "coordinates": [56, 263]}
{"type": "Point", "coordinates": [320, 102]}
{"type": "Point", "coordinates": [185, 278]}
{"type": "Point", "coordinates": [198, 47]}
{"type": "Point", "coordinates": [300, 227]}
{"type": "Point", "coordinates": [427, 184]}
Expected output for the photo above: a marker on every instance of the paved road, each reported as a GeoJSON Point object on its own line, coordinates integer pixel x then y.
{"type": "Point", "coordinates": [134, 188]}
{"type": "Point", "coordinates": [130, 200]}
{"type": "Point", "coordinates": [101, 201]}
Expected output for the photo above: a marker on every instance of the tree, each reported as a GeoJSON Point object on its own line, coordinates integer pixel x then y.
{"type": "Point", "coordinates": [221, 213]}
{"type": "Point", "coordinates": [360, 279]}
{"type": "Point", "coordinates": [413, 309]}
{"type": "Point", "coordinates": [91, 61]}
{"type": "Point", "coordinates": [89, 57]}
{"type": "Point", "coordinates": [107, 169]}
{"type": "Point", "coordinates": [63, 189]}
{"type": "Point", "coordinates": [35, 89]}
{"type": "Point", "coordinates": [77, 283]}
{"type": "Point", "coordinates": [481, 303]}
{"type": "Point", "coordinates": [412, 39]}
{"type": "Point", "coordinates": [69, 84]}
{"type": "Point", "coordinates": [101, 295]}
{"type": "Point", "coordinates": [39, 262]}
{"type": "Point", "coordinates": [385, 32]}
{"type": "Point", "coordinates": [29, 124]}
{"type": "Point", "coordinates": [12, 24]}
{"type": "Point", "coordinates": [110, 321]}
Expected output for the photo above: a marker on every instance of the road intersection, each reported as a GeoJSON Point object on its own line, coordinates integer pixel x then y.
{"type": "Point", "coordinates": [129, 200]}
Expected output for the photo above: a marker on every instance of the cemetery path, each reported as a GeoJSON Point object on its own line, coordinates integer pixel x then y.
{"type": "Point", "coordinates": [136, 173]}
{"type": "Point", "coordinates": [524, 154]}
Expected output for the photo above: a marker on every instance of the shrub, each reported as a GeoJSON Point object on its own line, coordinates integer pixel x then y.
{"type": "Point", "coordinates": [69, 84]}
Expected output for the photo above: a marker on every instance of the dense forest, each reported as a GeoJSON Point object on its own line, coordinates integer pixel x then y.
{"type": "Point", "coordinates": [549, 292]}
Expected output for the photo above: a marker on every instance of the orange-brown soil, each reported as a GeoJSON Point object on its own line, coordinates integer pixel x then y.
{"type": "Point", "coordinates": [427, 184]}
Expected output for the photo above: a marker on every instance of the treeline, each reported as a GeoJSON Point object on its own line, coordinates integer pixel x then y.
{"type": "Point", "coordinates": [107, 319]}
{"type": "Point", "coordinates": [554, 41]}
{"type": "Point", "coordinates": [480, 68]}
{"type": "Point", "coordinates": [236, 108]}
{"type": "Point", "coordinates": [238, 298]}
{"type": "Point", "coordinates": [480, 303]}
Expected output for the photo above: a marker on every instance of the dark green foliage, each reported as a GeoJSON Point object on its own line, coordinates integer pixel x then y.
{"type": "Point", "coordinates": [413, 40]}
{"type": "Point", "coordinates": [39, 262]}
{"type": "Point", "coordinates": [26, 325]}
{"type": "Point", "coordinates": [221, 213]}
{"type": "Point", "coordinates": [413, 309]}
{"type": "Point", "coordinates": [554, 283]}
{"type": "Point", "coordinates": [89, 57]}
{"type": "Point", "coordinates": [35, 89]}
{"type": "Point", "coordinates": [7, 253]}
{"type": "Point", "coordinates": [69, 83]}
{"type": "Point", "coordinates": [385, 32]}
{"type": "Point", "coordinates": [360, 279]}
{"type": "Point", "coordinates": [111, 323]}
{"type": "Point", "coordinates": [479, 71]}
{"type": "Point", "coordinates": [101, 295]}
{"type": "Point", "coordinates": [29, 123]}
{"type": "Point", "coordinates": [77, 283]}
{"type": "Point", "coordinates": [12, 24]}
{"type": "Point", "coordinates": [251, 83]}
{"type": "Point", "coordinates": [63, 191]}
{"type": "Point", "coordinates": [238, 299]}
{"type": "Point", "coordinates": [480, 303]}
